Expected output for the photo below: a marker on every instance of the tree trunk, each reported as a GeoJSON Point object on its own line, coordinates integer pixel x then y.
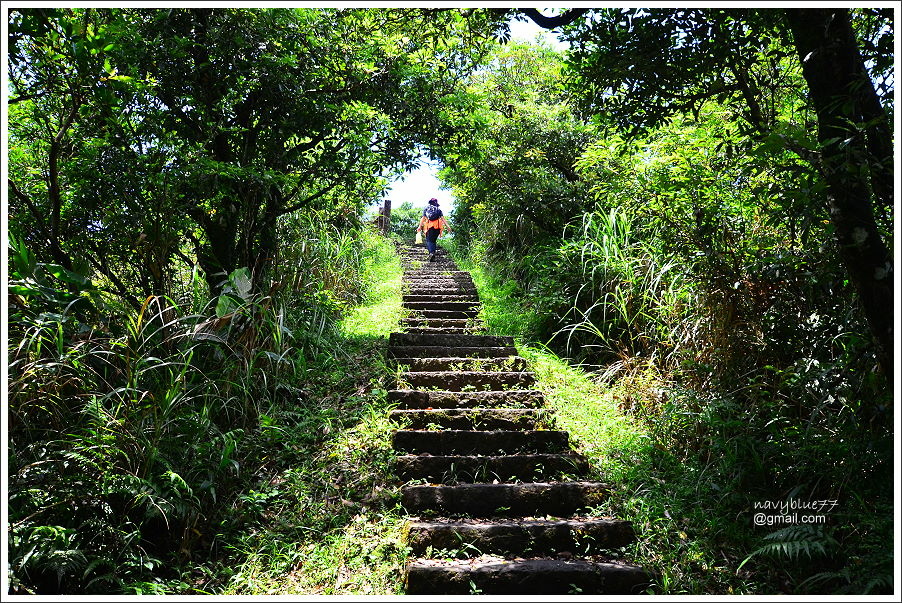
{"type": "Point", "coordinates": [843, 97]}
{"type": "Point", "coordinates": [218, 257]}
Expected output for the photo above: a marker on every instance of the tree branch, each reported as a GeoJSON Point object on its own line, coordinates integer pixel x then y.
{"type": "Point", "coordinates": [551, 22]}
{"type": "Point", "coordinates": [25, 97]}
{"type": "Point", "coordinates": [59, 256]}
{"type": "Point", "coordinates": [53, 185]}
{"type": "Point", "coordinates": [307, 200]}
{"type": "Point", "coordinates": [122, 290]}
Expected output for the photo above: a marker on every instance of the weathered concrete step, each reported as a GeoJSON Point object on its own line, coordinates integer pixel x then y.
{"type": "Point", "coordinates": [470, 418]}
{"type": "Point", "coordinates": [441, 305]}
{"type": "Point", "coordinates": [418, 398]}
{"type": "Point", "coordinates": [526, 577]}
{"type": "Point", "coordinates": [458, 380]}
{"type": "Point", "coordinates": [430, 271]}
{"type": "Point", "coordinates": [436, 283]}
{"type": "Point", "coordinates": [446, 314]}
{"type": "Point", "coordinates": [521, 538]}
{"type": "Point", "coordinates": [460, 441]}
{"type": "Point", "coordinates": [437, 275]}
{"type": "Point", "coordinates": [417, 263]}
{"type": "Point", "coordinates": [439, 298]}
{"type": "Point", "coordinates": [419, 351]}
{"type": "Point", "coordinates": [407, 339]}
{"type": "Point", "coordinates": [426, 267]}
{"type": "Point", "coordinates": [510, 363]}
{"type": "Point", "coordinates": [438, 286]}
{"type": "Point", "coordinates": [467, 468]}
{"type": "Point", "coordinates": [420, 254]}
{"type": "Point", "coordinates": [434, 278]}
{"type": "Point", "coordinates": [429, 290]}
{"type": "Point", "coordinates": [417, 321]}
{"type": "Point", "coordinates": [558, 499]}
{"type": "Point", "coordinates": [452, 330]}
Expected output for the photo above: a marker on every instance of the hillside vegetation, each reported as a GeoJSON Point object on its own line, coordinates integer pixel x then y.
{"type": "Point", "coordinates": [686, 219]}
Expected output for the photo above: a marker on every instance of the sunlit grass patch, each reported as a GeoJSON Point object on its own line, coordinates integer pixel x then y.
{"type": "Point", "coordinates": [331, 524]}
{"type": "Point", "coordinates": [588, 411]}
{"type": "Point", "coordinates": [379, 314]}
{"type": "Point", "coordinates": [339, 530]}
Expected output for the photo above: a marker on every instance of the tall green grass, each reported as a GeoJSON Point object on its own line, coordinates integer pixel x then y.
{"type": "Point", "coordinates": [144, 444]}
{"type": "Point", "coordinates": [333, 523]}
{"type": "Point", "coordinates": [689, 449]}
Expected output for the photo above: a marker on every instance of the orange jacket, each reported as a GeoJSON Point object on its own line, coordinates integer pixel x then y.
{"type": "Point", "coordinates": [426, 224]}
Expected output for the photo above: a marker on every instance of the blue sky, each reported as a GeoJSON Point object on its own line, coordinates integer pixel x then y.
{"type": "Point", "coordinates": [419, 185]}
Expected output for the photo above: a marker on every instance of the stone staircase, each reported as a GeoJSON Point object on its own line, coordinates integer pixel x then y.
{"type": "Point", "coordinates": [493, 486]}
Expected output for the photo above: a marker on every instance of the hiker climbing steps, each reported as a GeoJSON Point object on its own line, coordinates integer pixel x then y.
{"type": "Point", "coordinates": [488, 477]}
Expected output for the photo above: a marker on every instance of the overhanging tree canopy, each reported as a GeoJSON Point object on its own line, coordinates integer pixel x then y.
{"type": "Point", "coordinates": [636, 67]}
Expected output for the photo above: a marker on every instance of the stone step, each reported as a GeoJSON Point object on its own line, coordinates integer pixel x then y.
{"type": "Point", "coordinates": [441, 305]}
{"type": "Point", "coordinates": [428, 290]}
{"type": "Point", "coordinates": [438, 284]}
{"type": "Point", "coordinates": [494, 442]}
{"type": "Point", "coordinates": [536, 499]}
{"type": "Point", "coordinates": [509, 363]}
{"type": "Point", "coordinates": [416, 321]}
{"type": "Point", "coordinates": [419, 351]}
{"type": "Point", "coordinates": [440, 298]}
{"type": "Point", "coordinates": [437, 281]}
{"type": "Point", "coordinates": [524, 577]}
{"type": "Point", "coordinates": [422, 259]}
{"type": "Point", "coordinates": [520, 537]}
{"type": "Point", "coordinates": [470, 418]}
{"type": "Point", "coordinates": [466, 468]}
{"type": "Point", "coordinates": [422, 256]}
{"type": "Point", "coordinates": [438, 269]}
{"type": "Point", "coordinates": [440, 287]}
{"type": "Point", "coordinates": [430, 271]}
{"type": "Point", "coordinates": [458, 380]}
{"type": "Point", "coordinates": [421, 248]}
{"type": "Point", "coordinates": [429, 330]}
{"type": "Point", "coordinates": [512, 398]}
{"type": "Point", "coordinates": [445, 314]}
{"type": "Point", "coordinates": [408, 339]}
{"type": "Point", "coordinates": [422, 267]}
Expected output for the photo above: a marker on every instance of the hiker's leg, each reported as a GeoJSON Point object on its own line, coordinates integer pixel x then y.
{"type": "Point", "coordinates": [431, 237]}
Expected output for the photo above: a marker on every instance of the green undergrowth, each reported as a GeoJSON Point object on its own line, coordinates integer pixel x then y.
{"type": "Point", "coordinates": [689, 466]}
{"type": "Point", "coordinates": [684, 539]}
{"type": "Point", "coordinates": [331, 524]}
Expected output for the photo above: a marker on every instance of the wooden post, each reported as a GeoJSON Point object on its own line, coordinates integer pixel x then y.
{"type": "Point", "coordinates": [386, 217]}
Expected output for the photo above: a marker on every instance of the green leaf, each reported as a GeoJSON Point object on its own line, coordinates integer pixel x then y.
{"type": "Point", "coordinates": [225, 305]}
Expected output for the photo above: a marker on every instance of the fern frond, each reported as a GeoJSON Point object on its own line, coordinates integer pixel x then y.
{"type": "Point", "coordinates": [791, 542]}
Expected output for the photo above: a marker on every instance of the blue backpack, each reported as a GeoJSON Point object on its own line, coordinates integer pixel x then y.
{"type": "Point", "coordinates": [432, 212]}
